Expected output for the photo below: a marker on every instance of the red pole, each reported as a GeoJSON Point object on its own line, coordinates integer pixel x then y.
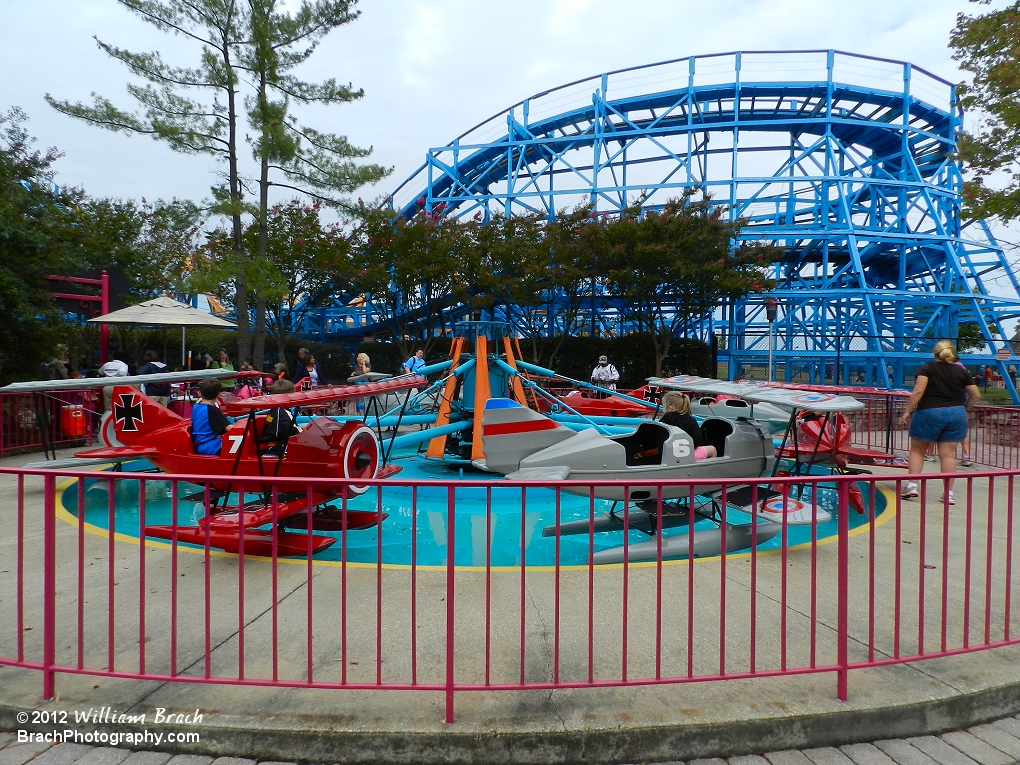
{"type": "Point", "coordinates": [49, 585]}
{"type": "Point", "coordinates": [843, 588]}
{"type": "Point", "coordinates": [451, 570]}
{"type": "Point", "coordinates": [104, 330]}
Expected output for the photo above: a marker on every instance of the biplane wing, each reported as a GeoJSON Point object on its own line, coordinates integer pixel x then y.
{"type": "Point", "coordinates": [46, 386]}
{"type": "Point", "coordinates": [796, 398]}
{"type": "Point", "coordinates": [850, 390]}
{"type": "Point", "coordinates": [322, 396]}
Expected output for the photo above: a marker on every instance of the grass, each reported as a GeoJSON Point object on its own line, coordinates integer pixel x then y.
{"type": "Point", "coordinates": [995, 397]}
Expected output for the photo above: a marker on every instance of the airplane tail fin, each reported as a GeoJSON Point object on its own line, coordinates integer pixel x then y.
{"type": "Point", "coordinates": [510, 432]}
{"type": "Point", "coordinates": [133, 415]}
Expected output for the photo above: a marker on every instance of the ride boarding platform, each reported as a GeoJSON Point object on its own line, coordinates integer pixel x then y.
{"type": "Point", "coordinates": [359, 662]}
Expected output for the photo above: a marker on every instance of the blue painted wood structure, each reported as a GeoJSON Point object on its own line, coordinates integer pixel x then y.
{"type": "Point", "coordinates": [845, 161]}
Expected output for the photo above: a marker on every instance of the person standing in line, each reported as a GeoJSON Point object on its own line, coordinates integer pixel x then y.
{"type": "Point", "coordinates": [605, 375]}
{"type": "Point", "coordinates": [115, 368]}
{"type": "Point", "coordinates": [56, 367]}
{"type": "Point", "coordinates": [159, 392]}
{"type": "Point", "coordinates": [223, 360]}
{"type": "Point", "coordinates": [362, 365]}
{"type": "Point", "coordinates": [965, 460]}
{"type": "Point", "coordinates": [415, 363]}
{"type": "Point", "coordinates": [937, 416]}
{"type": "Point", "coordinates": [309, 370]}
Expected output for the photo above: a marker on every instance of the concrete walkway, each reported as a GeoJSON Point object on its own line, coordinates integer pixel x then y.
{"type": "Point", "coordinates": [905, 709]}
{"type": "Point", "coordinates": [996, 743]}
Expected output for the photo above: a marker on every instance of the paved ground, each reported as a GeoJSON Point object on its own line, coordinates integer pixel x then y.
{"type": "Point", "coordinates": [892, 703]}
{"type": "Point", "coordinates": [996, 743]}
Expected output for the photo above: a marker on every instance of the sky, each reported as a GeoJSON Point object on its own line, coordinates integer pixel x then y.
{"type": "Point", "coordinates": [430, 70]}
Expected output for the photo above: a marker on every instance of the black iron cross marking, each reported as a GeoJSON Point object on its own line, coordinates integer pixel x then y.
{"type": "Point", "coordinates": [128, 411]}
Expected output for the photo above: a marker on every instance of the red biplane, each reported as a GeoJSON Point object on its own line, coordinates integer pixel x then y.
{"type": "Point", "coordinates": [323, 448]}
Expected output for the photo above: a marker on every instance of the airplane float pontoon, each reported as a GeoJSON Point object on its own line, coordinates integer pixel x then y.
{"type": "Point", "coordinates": [525, 445]}
{"type": "Point", "coordinates": [484, 412]}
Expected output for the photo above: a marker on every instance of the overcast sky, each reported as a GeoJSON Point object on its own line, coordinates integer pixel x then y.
{"type": "Point", "coordinates": [430, 70]}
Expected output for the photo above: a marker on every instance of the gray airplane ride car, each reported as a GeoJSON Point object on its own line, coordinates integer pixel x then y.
{"type": "Point", "coordinates": [525, 445]}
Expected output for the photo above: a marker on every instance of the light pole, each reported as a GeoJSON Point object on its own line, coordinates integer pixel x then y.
{"type": "Point", "coordinates": [770, 314]}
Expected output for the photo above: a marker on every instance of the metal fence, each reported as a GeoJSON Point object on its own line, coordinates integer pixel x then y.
{"type": "Point", "coordinates": [85, 599]}
{"type": "Point", "coordinates": [884, 361]}
{"type": "Point", "coordinates": [994, 435]}
{"type": "Point", "coordinates": [36, 421]}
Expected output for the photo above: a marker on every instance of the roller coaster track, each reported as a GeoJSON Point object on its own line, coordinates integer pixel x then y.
{"type": "Point", "coordinates": [846, 162]}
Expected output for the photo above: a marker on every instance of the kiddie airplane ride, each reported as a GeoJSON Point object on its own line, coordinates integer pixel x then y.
{"type": "Point", "coordinates": [482, 413]}
{"type": "Point", "coordinates": [490, 415]}
{"type": "Point", "coordinates": [323, 448]}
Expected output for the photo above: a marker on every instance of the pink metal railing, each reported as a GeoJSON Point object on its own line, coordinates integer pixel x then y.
{"type": "Point", "coordinates": [994, 431]}
{"type": "Point", "coordinates": [34, 421]}
{"type": "Point", "coordinates": [932, 580]}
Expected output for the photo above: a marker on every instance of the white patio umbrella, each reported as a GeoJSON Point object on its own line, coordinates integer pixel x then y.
{"type": "Point", "coordinates": [164, 311]}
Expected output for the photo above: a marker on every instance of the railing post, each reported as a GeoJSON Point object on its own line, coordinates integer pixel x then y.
{"type": "Point", "coordinates": [49, 585]}
{"type": "Point", "coordinates": [450, 570]}
{"type": "Point", "coordinates": [843, 586]}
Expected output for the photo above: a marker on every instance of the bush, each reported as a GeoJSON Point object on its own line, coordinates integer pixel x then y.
{"type": "Point", "coordinates": [633, 355]}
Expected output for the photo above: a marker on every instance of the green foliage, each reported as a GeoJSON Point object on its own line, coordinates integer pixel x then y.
{"type": "Point", "coordinates": [35, 219]}
{"type": "Point", "coordinates": [409, 271]}
{"type": "Point", "coordinates": [302, 267]}
{"type": "Point", "coordinates": [194, 110]}
{"type": "Point", "coordinates": [669, 268]}
{"type": "Point", "coordinates": [45, 230]}
{"type": "Point", "coordinates": [633, 355]}
{"type": "Point", "coordinates": [675, 265]}
{"type": "Point", "coordinates": [986, 45]}
{"type": "Point", "coordinates": [247, 54]}
{"type": "Point", "coordinates": [969, 338]}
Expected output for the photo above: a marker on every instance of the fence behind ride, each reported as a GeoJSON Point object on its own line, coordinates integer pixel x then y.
{"type": "Point", "coordinates": [33, 421]}
{"type": "Point", "coordinates": [839, 360]}
{"type": "Point", "coordinates": [93, 598]}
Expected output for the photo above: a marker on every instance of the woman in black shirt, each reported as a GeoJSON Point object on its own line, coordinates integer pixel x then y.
{"type": "Point", "coordinates": [937, 412]}
{"type": "Point", "coordinates": [677, 408]}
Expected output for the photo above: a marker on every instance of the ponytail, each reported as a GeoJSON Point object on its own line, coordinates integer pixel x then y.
{"type": "Point", "coordinates": [944, 351]}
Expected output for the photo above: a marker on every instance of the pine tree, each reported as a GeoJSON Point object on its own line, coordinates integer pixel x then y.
{"type": "Point", "coordinates": [246, 53]}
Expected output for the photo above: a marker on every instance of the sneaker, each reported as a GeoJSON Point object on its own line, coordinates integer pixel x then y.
{"type": "Point", "coordinates": [929, 458]}
{"type": "Point", "coordinates": [965, 460]}
{"type": "Point", "coordinates": [948, 498]}
{"type": "Point", "coordinates": [909, 490]}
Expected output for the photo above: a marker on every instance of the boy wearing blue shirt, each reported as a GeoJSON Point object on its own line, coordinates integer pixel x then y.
{"type": "Point", "coordinates": [208, 423]}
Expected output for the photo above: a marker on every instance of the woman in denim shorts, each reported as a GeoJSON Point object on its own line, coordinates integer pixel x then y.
{"type": "Point", "coordinates": [937, 412]}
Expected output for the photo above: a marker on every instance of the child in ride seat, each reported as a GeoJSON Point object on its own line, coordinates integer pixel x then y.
{"type": "Point", "coordinates": [677, 412]}
{"type": "Point", "coordinates": [279, 425]}
{"type": "Point", "coordinates": [208, 423]}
